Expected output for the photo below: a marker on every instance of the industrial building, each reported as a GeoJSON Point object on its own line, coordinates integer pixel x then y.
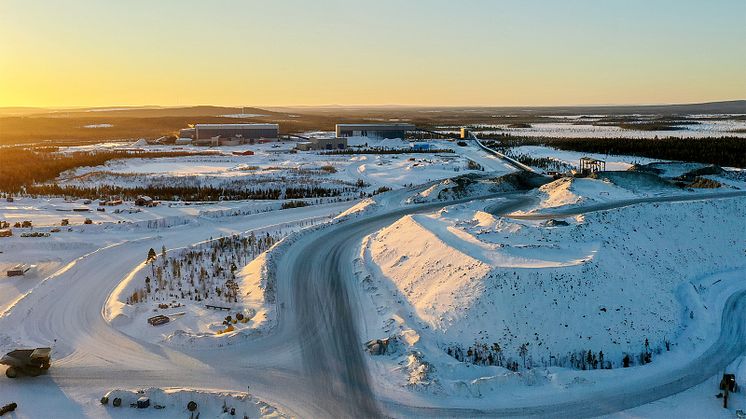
{"type": "Point", "coordinates": [323, 144]}
{"type": "Point", "coordinates": [590, 165]}
{"type": "Point", "coordinates": [380, 131]}
{"type": "Point", "coordinates": [234, 134]}
{"type": "Point", "coordinates": [187, 133]}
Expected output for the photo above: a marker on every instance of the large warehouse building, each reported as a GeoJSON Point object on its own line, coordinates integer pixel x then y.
{"type": "Point", "coordinates": [374, 130]}
{"type": "Point", "coordinates": [238, 133]}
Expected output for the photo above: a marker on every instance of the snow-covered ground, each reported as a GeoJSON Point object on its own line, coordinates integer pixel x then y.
{"type": "Point", "coordinates": [275, 161]}
{"type": "Point", "coordinates": [70, 254]}
{"type": "Point", "coordinates": [193, 287]}
{"type": "Point", "coordinates": [450, 285]}
{"type": "Point", "coordinates": [705, 129]}
{"type": "Point", "coordinates": [49, 212]}
{"type": "Point", "coordinates": [613, 162]}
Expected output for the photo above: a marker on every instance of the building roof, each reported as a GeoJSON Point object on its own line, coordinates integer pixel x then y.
{"type": "Point", "coordinates": [238, 126]}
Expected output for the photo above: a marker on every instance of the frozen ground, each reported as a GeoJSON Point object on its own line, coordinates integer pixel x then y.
{"type": "Point", "coordinates": [711, 128]}
{"type": "Point", "coordinates": [192, 279]}
{"type": "Point", "coordinates": [461, 278]}
{"type": "Point", "coordinates": [86, 283]}
{"type": "Point", "coordinates": [696, 403]}
{"type": "Point", "coordinates": [613, 162]}
{"type": "Point", "coordinates": [433, 278]}
{"type": "Point", "coordinates": [49, 212]}
{"type": "Point", "coordinates": [276, 161]}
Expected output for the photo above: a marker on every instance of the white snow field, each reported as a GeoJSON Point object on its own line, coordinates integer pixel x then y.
{"type": "Point", "coordinates": [704, 129]}
{"type": "Point", "coordinates": [74, 297]}
{"type": "Point", "coordinates": [464, 279]}
{"type": "Point", "coordinates": [273, 161]}
{"type": "Point", "coordinates": [458, 266]}
{"type": "Point", "coordinates": [613, 162]}
{"type": "Point", "coordinates": [64, 310]}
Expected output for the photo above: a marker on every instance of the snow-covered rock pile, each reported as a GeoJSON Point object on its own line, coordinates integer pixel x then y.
{"type": "Point", "coordinates": [570, 192]}
{"type": "Point", "coordinates": [605, 283]}
{"type": "Point", "coordinates": [473, 185]}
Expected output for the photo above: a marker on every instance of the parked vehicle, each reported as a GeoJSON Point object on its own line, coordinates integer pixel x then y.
{"type": "Point", "coordinates": [31, 362]}
{"type": "Point", "coordinates": [158, 320]}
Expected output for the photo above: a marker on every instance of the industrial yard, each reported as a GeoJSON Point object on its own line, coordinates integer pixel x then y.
{"type": "Point", "coordinates": [213, 279]}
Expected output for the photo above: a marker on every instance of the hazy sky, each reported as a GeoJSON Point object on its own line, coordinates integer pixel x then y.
{"type": "Point", "coordinates": [430, 52]}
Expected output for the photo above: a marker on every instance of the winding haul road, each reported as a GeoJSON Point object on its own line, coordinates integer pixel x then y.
{"type": "Point", "coordinates": [321, 280]}
{"type": "Point", "coordinates": [312, 365]}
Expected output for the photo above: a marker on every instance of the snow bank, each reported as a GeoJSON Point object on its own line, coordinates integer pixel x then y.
{"type": "Point", "coordinates": [572, 192]}
{"type": "Point", "coordinates": [172, 402]}
{"type": "Point", "coordinates": [362, 207]}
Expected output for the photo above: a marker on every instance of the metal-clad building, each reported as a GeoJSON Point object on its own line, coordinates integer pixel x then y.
{"type": "Point", "coordinates": [323, 144]}
{"type": "Point", "coordinates": [397, 130]}
{"type": "Point", "coordinates": [245, 131]}
{"type": "Point", "coordinates": [187, 133]}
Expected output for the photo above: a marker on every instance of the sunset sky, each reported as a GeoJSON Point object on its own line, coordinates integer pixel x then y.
{"type": "Point", "coordinates": [419, 52]}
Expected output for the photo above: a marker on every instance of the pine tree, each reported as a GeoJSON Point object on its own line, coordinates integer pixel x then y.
{"type": "Point", "coordinates": [523, 352]}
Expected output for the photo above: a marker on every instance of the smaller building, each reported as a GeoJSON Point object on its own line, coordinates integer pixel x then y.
{"type": "Point", "coordinates": [207, 142]}
{"type": "Point", "coordinates": [183, 141]}
{"type": "Point", "coordinates": [158, 320]}
{"type": "Point", "coordinates": [231, 141]}
{"type": "Point", "coordinates": [246, 133]}
{"type": "Point", "coordinates": [145, 201]}
{"type": "Point", "coordinates": [323, 144]}
{"type": "Point", "coordinates": [381, 131]}
{"type": "Point", "coordinates": [111, 202]}
{"type": "Point", "coordinates": [187, 133]}
{"type": "Point", "coordinates": [19, 270]}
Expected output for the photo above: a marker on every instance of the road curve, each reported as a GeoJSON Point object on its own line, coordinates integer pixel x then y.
{"type": "Point", "coordinates": [314, 278]}
{"type": "Point", "coordinates": [622, 203]}
{"type": "Point", "coordinates": [315, 274]}
{"type": "Point", "coordinates": [327, 319]}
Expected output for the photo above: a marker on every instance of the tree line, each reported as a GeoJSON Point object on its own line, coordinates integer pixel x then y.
{"type": "Point", "coordinates": [494, 355]}
{"type": "Point", "coordinates": [21, 167]}
{"type": "Point", "coordinates": [723, 151]}
{"type": "Point", "coordinates": [384, 150]}
{"type": "Point", "coordinates": [184, 193]}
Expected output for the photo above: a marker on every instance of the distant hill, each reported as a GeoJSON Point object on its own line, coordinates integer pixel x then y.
{"type": "Point", "coordinates": [150, 112]}
{"type": "Point", "coordinates": [19, 125]}
{"type": "Point", "coordinates": [726, 107]}
{"type": "Point", "coordinates": [20, 110]}
{"type": "Point", "coordinates": [723, 107]}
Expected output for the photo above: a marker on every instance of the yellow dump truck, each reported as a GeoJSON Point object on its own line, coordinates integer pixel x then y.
{"type": "Point", "coordinates": [31, 362]}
